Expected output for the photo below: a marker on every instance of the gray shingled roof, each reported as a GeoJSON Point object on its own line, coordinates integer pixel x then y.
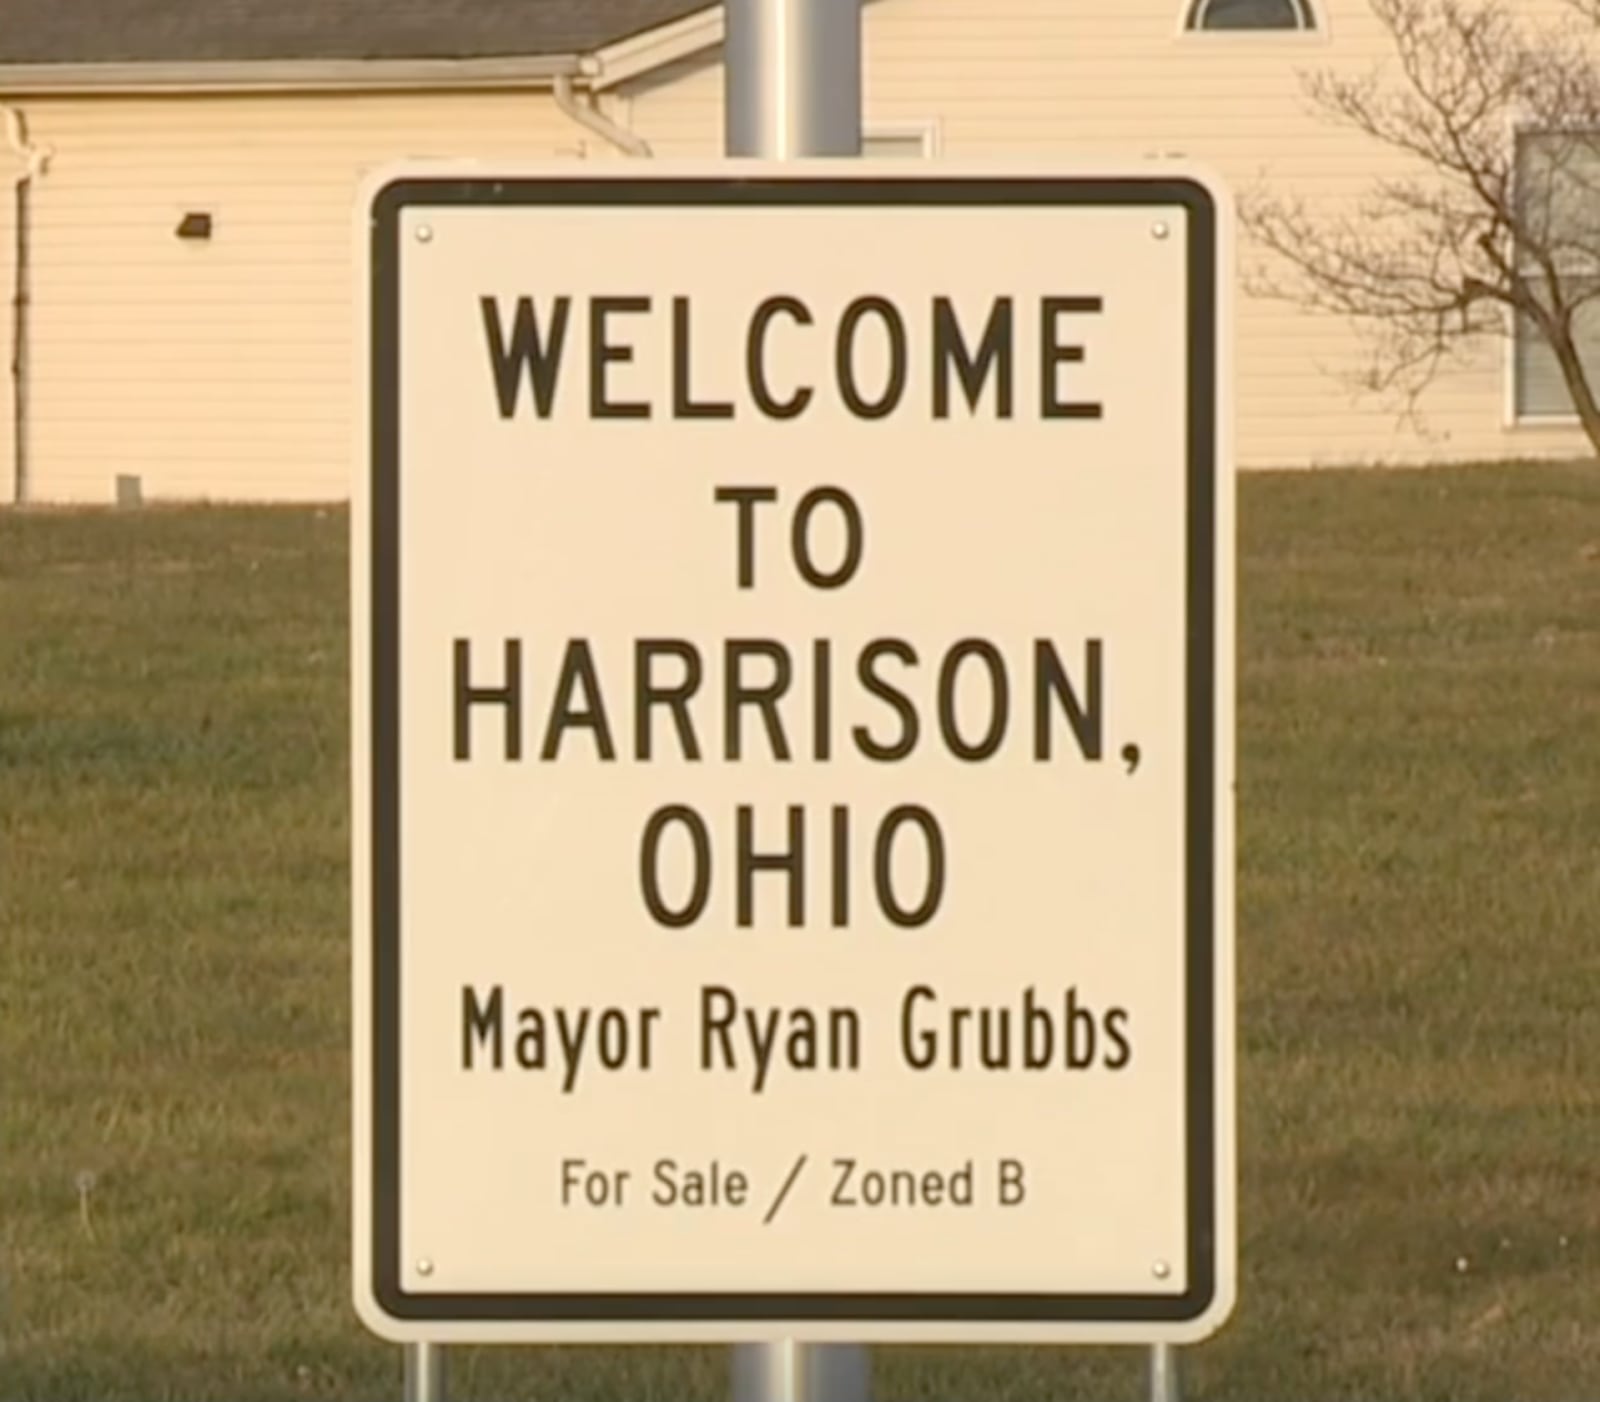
{"type": "Point", "coordinates": [188, 31]}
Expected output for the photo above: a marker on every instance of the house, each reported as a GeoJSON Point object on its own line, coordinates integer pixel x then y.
{"type": "Point", "coordinates": [178, 260]}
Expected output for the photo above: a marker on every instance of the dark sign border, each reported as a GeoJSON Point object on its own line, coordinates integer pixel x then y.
{"type": "Point", "coordinates": [388, 206]}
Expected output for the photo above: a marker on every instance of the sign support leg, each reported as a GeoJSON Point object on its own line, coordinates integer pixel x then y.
{"type": "Point", "coordinates": [1166, 1380]}
{"type": "Point", "coordinates": [795, 1372]}
{"type": "Point", "coordinates": [425, 1373]}
{"type": "Point", "coordinates": [792, 75]}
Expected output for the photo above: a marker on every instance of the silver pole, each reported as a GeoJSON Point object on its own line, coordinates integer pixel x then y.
{"type": "Point", "coordinates": [425, 1373]}
{"type": "Point", "coordinates": [792, 84]}
{"type": "Point", "coordinates": [793, 1372]}
{"type": "Point", "coordinates": [1166, 1382]}
{"type": "Point", "coordinates": [792, 88]}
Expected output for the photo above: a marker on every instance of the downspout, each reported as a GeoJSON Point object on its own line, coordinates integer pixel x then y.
{"type": "Point", "coordinates": [34, 161]}
{"type": "Point", "coordinates": [586, 114]}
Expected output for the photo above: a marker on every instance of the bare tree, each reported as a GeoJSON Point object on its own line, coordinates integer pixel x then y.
{"type": "Point", "coordinates": [1485, 229]}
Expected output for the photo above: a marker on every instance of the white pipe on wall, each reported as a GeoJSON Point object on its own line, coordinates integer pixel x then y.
{"type": "Point", "coordinates": [587, 115]}
{"type": "Point", "coordinates": [35, 159]}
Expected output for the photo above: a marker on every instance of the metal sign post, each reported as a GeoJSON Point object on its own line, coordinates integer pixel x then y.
{"type": "Point", "coordinates": [1166, 1380]}
{"type": "Point", "coordinates": [424, 1373]}
{"type": "Point", "coordinates": [792, 78]}
{"type": "Point", "coordinates": [792, 88]}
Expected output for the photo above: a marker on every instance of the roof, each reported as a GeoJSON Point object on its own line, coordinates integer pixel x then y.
{"type": "Point", "coordinates": [246, 31]}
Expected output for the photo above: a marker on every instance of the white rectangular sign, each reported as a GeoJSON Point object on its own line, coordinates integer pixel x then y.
{"type": "Point", "coordinates": [793, 742]}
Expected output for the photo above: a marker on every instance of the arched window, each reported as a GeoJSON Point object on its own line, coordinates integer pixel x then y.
{"type": "Point", "coordinates": [1251, 14]}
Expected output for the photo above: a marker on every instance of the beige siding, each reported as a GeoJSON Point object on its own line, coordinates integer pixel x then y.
{"type": "Point", "coordinates": [224, 369]}
{"type": "Point", "coordinates": [1055, 78]}
{"type": "Point", "coordinates": [221, 368]}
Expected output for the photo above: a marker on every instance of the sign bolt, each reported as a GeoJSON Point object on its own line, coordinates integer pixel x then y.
{"type": "Point", "coordinates": [1161, 1270]}
{"type": "Point", "coordinates": [424, 233]}
{"type": "Point", "coordinates": [424, 1266]}
{"type": "Point", "coordinates": [1160, 229]}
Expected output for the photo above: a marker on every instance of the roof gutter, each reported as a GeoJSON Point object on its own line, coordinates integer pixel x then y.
{"type": "Point", "coordinates": [608, 66]}
{"type": "Point", "coordinates": [654, 49]}
{"type": "Point", "coordinates": [586, 114]}
{"type": "Point", "coordinates": [285, 75]}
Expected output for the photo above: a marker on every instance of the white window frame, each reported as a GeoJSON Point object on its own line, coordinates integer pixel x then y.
{"type": "Point", "coordinates": [927, 130]}
{"type": "Point", "coordinates": [1518, 125]}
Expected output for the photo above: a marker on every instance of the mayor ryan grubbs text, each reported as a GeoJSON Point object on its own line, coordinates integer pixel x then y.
{"type": "Point", "coordinates": [756, 1044]}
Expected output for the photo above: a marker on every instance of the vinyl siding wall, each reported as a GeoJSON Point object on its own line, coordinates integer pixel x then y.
{"type": "Point", "coordinates": [225, 368]}
{"type": "Point", "coordinates": [221, 368]}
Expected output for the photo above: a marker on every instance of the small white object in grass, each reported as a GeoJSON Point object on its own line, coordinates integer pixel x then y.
{"type": "Point", "coordinates": [1563, 1243]}
{"type": "Point", "coordinates": [84, 1183]}
{"type": "Point", "coordinates": [1462, 1265]}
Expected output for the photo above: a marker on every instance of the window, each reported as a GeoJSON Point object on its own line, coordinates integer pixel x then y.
{"type": "Point", "coordinates": [1558, 202]}
{"type": "Point", "coordinates": [1250, 14]}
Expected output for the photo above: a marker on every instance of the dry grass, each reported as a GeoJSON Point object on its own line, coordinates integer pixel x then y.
{"type": "Point", "coordinates": [1419, 948]}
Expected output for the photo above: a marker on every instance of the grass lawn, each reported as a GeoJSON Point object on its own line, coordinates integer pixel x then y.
{"type": "Point", "coordinates": [1419, 946]}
